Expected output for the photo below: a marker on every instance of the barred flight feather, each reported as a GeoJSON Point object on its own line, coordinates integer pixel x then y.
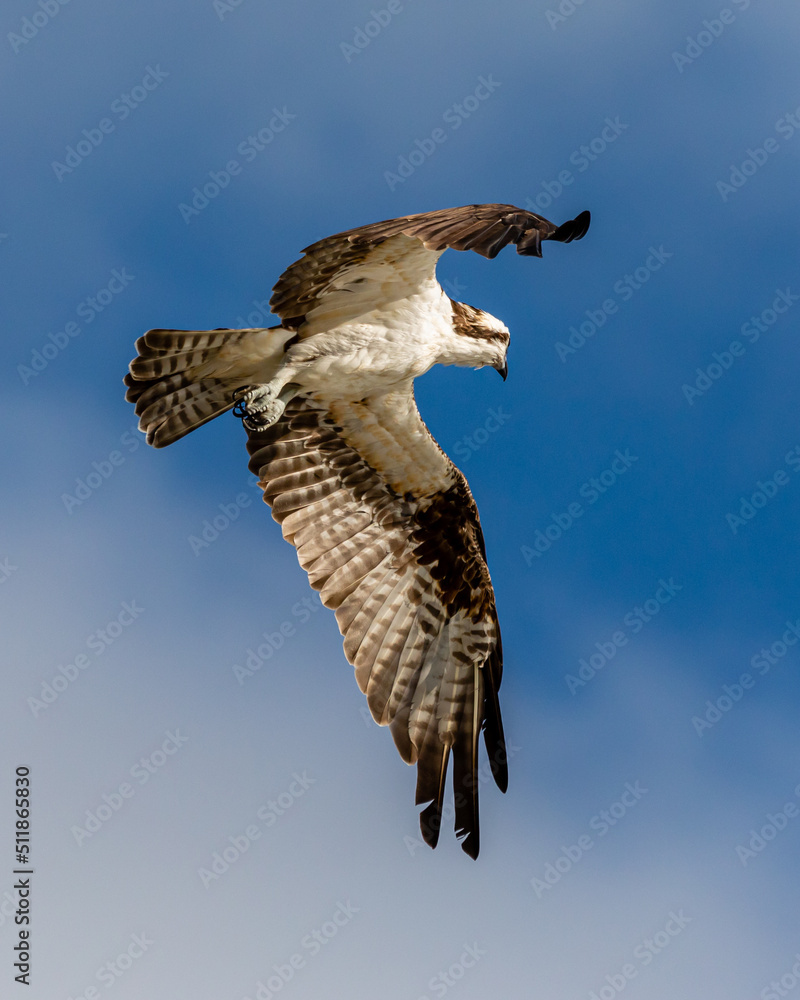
{"type": "Point", "coordinates": [384, 525]}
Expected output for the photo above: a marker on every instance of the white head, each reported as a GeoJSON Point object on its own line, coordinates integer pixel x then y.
{"type": "Point", "coordinates": [486, 337]}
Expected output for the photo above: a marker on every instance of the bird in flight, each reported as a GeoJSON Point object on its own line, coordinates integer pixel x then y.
{"type": "Point", "coordinates": [383, 522]}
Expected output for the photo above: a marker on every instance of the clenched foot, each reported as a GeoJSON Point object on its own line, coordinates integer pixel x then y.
{"type": "Point", "coordinates": [259, 406]}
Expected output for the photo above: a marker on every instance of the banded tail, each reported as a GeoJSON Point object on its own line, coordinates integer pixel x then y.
{"type": "Point", "coordinates": [181, 379]}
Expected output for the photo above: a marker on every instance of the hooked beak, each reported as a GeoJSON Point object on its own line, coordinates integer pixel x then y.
{"type": "Point", "coordinates": [502, 369]}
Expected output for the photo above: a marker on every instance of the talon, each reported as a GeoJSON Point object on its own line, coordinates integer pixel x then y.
{"type": "Point", "coordinates": [258, 407]}
{"type": "Point", "coordinates": [257, 422]}
{"type": "Point", "coordinates": [240, 395]}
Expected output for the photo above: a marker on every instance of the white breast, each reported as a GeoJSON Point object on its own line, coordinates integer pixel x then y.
{"type": "Point", "coordinates": [381, 349]}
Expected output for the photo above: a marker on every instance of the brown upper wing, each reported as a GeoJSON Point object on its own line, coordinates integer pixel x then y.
{"type": "Point", "coordinates": [486, 229]}
{"type": "Point", "coordinates": [407, 577]}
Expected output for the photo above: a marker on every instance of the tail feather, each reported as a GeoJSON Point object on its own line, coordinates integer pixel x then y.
{"type": "Point", "coordinates": [160, 342]}
{"type": "Point", "coordinates": [161, 396]}
{"type": "Point", "coordinates": [150, 390]}
{"type": "Point", "coordinates": [166, 364]}
{"type": "Point", "coordinates": [202, 402]}
{"type": "Point", "coordinates": [181, 379]}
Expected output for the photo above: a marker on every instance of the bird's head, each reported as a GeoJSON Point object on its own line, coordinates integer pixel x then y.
{"type": "Point", "coordinates": [487, 337]}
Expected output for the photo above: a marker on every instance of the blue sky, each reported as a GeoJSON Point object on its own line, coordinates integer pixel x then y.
{"type": "Point", "coordinates": [621, 857]}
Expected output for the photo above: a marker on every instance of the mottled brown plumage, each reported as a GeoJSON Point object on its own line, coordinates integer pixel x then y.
{"type": "Point", "coordinates": [384, 524]}
{"type": "Point", "coordinates": [486, 229]}
{"type": "Point", "coordinates": [403, 575]}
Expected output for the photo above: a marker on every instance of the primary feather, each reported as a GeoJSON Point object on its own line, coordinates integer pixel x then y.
{"type": "Point", "coordinates": [384, 524]}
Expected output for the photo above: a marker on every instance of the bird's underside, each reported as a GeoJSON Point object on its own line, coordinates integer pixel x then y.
{"type": "Point", "coordinates": [383, 522]}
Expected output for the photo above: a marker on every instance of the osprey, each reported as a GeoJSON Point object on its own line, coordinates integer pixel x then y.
{"type": "Point", "coordinates": [383, 522]}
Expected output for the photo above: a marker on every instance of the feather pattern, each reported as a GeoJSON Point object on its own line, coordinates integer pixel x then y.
{"type": "Point", "coordinates": [181, 379]}
{"type": "Point", "coordinates": [406, 575]}
{"type": "Point", "coordinates": [339, 261]}
{"type": "Point", "coordinates": [384, 524]}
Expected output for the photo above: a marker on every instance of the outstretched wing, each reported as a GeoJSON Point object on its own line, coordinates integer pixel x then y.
{"type": "Point", "coordinates": [344, 261]}
{"type": "Point", "coordinates": [388, 532]}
